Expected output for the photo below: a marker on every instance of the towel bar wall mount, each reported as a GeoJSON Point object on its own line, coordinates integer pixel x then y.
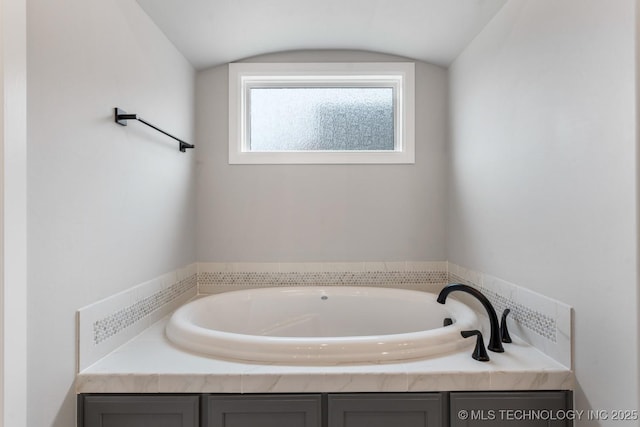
{"type": "Point", "coordinates": [122, 116]}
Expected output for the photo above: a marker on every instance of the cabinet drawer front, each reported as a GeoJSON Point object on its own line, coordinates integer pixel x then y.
{"type": "Point", "coordinates": [510, 409]}
{"type": "Point", "coordinates": [141, 411]}
{"type": "Point", "coordinates": [384, 410]}
{"type": "Point", "coordinates": [264, 411]}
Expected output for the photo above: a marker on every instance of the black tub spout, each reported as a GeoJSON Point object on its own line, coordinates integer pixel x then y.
{"type": "Point", "coordinates": [495, 342]}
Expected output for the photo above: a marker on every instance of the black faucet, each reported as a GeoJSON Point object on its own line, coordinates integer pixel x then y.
{"type": "Point", "coordinates": [495, 343]}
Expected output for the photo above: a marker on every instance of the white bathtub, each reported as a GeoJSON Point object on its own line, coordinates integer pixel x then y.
{"type": "Point", "coordinates": [320, 325]}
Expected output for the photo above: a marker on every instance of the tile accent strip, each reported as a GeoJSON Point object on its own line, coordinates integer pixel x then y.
{"type": "Point", "coordinates": [543, 322]}
{"type": "Point", "coordinates": [351, 278]}
{"type": "Point", "coordinates": [109, 326]}
{"type": "Point", "coordinates": [535, 321]}
{"type": "Point", "coordinates": [222, 277]}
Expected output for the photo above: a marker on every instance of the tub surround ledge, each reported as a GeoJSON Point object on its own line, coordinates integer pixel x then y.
{"type": "Point", "coordinates": [149, 363]}
{"type": "Point", "coordinates": [123, 348]}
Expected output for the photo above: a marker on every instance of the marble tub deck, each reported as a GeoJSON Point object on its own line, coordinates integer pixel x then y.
{"type": "Point", "coordinates": [149, 363]}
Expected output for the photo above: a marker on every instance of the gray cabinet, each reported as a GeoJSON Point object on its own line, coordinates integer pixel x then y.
{"type": "Point", "coordinates": [269, 410]}
{"type": "Point", "coordinates": [139, 411]}
{"type": "Point", "coordinates": [438, 409]}
{"type": "Point", "coordinates": [512, 408]}
{"type": "Point", "coordinates": [386, 409]}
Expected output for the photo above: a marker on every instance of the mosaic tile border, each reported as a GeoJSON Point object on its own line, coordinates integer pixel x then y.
{"type": "Point", "coordinates": [540, 323]}
{"type": "Point", "coordinates": [106, 324]}
{"type": "Point", "coordinates": [109, 326]}
{"type": "Point", "coordinates": [337, 278]}
{"type": "Point", "coordinates": [543, 322]}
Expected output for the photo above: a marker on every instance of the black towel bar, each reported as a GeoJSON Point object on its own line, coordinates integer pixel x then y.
{"type": "Point", "coordinates": [122, 116]}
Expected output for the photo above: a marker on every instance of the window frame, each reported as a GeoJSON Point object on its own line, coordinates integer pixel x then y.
{"type": "Point", "coordinates": [399, 75]}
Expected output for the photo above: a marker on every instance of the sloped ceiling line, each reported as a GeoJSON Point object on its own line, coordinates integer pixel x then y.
{"type": "Point", "coordinates": [214, 32]}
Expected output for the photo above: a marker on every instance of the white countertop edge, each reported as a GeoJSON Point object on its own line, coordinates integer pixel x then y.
{"type": "Point", "coordinates": [149, 363]}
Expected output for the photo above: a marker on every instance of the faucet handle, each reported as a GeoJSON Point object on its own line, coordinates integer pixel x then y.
{"type": "Point", "coordinates": [479, 353]}
{"type": "Point", "coordinates": [504, 332]}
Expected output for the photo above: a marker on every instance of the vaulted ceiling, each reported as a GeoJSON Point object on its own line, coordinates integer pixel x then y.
{"type": "Point", "coordinates": [214, 32]}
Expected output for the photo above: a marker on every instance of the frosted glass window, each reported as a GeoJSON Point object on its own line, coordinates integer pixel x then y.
{"type": "Point", "coordinates": [319, 113]}
{"type": "Point", "coordinates": [321, 119]}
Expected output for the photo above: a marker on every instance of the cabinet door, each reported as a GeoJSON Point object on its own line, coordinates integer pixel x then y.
{"type": "Point", "coordinates": [386, 410]}
{"type": "Point", "coordinates": [140, 411]}
{"type": "Point", "coordinates": [264, 411]}
{"type": "Point", "coordinates": [511, 409]}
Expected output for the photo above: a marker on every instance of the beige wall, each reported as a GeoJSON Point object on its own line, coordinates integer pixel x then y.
{"type": "Point", "coordinates": [271, 213]}
{"type": "Point", "coordinates": [543, 173]}
{"type": "Point", "coordinates": [109, 207]}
